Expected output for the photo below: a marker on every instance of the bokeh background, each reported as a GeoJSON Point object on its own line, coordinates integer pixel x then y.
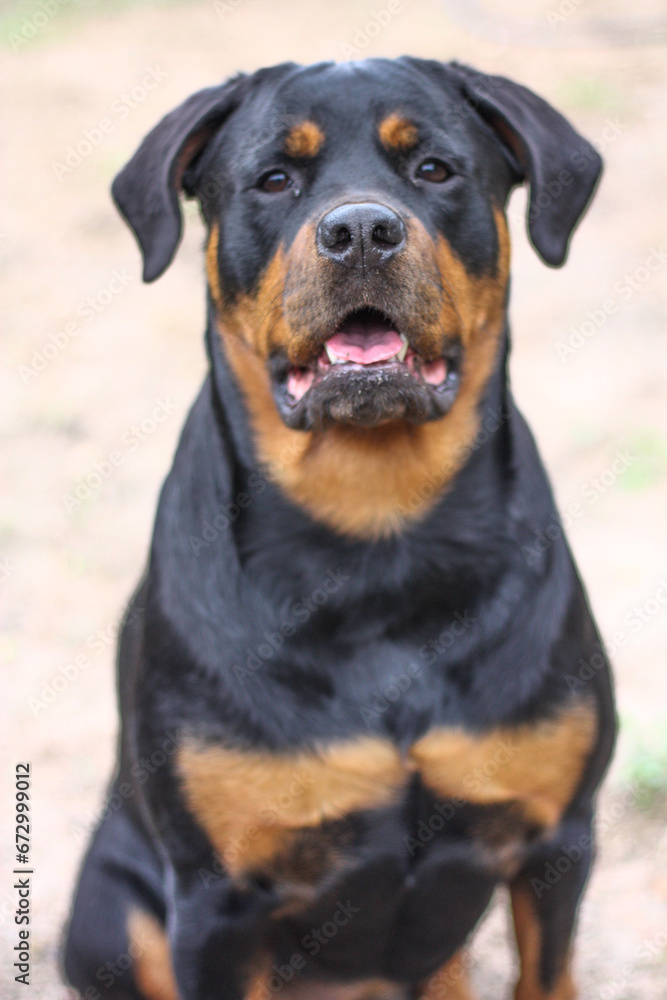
{"type": "Point", "coordinates": [94, 363]}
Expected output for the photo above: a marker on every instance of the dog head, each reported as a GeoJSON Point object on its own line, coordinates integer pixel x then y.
{"type": "Point", "coordinates": [358, 255]}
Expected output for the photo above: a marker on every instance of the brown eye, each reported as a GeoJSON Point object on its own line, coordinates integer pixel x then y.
{"type": "Point", "coordinates": [275, 182]}
{"type": "Point", "coordinates": [434, 171]}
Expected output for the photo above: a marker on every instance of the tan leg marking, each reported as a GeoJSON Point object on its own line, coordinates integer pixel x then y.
{"type": "Point", "coordinates": [529, 941]}
{"type": "Point", "coordinates": [152, 970]}
{"type": "Point", "coordinates": [451, 982]}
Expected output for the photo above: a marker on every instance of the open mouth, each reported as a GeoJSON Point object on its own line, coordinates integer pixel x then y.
{"type": "Point", "coordinates": [368, 372]}
{"type": "Point", "coordinates": [366, 341]}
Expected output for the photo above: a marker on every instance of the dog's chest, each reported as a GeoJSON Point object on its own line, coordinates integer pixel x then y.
{"type": "Point", "coordinates": [300, 815]}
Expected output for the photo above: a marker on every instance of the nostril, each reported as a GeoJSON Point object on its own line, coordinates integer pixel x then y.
{"type": "Point", "coordinates": [388, 232]}
{"type": "Point", "coordinates": [382, 237]}
{"type": "Point", "coordinates": [340, 237]}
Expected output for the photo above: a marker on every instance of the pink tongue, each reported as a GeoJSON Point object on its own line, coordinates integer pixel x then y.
{"type": "Point", "coordinates": [364, 345]}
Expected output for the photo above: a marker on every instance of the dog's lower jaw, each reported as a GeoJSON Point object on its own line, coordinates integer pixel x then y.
{"type": "Point", "coordinates": [367, 483]}
{"type": "Point", "coordinates": [366, 399]}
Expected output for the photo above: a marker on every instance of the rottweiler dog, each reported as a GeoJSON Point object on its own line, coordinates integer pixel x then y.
{"type": "Point", "coordinates": [360, 683]}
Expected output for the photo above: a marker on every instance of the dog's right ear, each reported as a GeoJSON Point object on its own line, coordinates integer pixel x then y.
{"type": "Point", "coordinates": [146, 190]}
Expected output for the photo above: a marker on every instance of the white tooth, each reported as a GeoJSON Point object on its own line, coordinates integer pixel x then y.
{"type": "Point", "coordinates": [333, 358]}
{"type": "Point", "coordinates": [404, 350]}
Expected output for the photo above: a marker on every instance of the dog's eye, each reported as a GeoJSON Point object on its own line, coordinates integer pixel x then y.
{"type": "Point", "coordinates": [434, 171]}
{"type": "Point", "coordinates": [276, 181]}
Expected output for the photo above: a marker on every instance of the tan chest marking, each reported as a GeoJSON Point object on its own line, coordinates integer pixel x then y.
{"type": "Point", "coordinates": [253, 804]}
{"type": "Point", "coordinates": [250, 803]}
{"type": "Point", "coordinates": [537, 766]}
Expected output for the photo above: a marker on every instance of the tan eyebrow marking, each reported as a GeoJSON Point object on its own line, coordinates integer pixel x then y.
{"type": "Point", "coordinates": [304, 139]}
{"type": "Point", "coordinates": [397, 132]}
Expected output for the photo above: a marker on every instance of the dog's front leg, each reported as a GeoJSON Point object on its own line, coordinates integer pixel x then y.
{"type": "Point", "coordinates": [545, 897]}
{"type": "Point", "coordinates": [216, 932]}
{"type": "Point", "coordinates": [217, 914]}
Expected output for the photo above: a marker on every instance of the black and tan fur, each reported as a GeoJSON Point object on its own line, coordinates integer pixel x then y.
{"type": "Point", "coordinates": [365, 666]}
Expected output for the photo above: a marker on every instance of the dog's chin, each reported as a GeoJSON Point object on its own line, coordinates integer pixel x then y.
{"type": "Point", "coordinates": [364, 375]}
{"type": "Point", "coordinates": [364, 398]}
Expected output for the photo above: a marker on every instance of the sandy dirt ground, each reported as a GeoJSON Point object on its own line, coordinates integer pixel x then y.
{"type": "Point", "coordinates": [95, 363]}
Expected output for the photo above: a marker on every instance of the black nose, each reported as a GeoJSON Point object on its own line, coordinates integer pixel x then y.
{"type": "Point", "coordinates": [361, 234]}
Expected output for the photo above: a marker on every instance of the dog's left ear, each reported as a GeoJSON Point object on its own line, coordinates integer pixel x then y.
{"type": "Point", "coordinates": [561, 167]}
{"type": "Point", "coordinates": [146, 190]}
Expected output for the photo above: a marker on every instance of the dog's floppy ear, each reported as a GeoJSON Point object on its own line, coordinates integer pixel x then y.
{"type": "Point", "coordinates": [146, 190]}
{"type": "Point", "coordinates": [561, 167]}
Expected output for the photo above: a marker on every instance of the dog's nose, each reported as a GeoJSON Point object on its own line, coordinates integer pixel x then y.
{"type": "Point", "coordinates": [361, 234]}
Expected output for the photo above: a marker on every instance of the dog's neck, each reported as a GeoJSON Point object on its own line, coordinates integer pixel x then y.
{"type": "Point", "coordinates": [365, 484]}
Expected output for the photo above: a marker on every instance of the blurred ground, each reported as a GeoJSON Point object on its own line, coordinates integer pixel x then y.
{"type": "Point", "coordinates": [111, 350]}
